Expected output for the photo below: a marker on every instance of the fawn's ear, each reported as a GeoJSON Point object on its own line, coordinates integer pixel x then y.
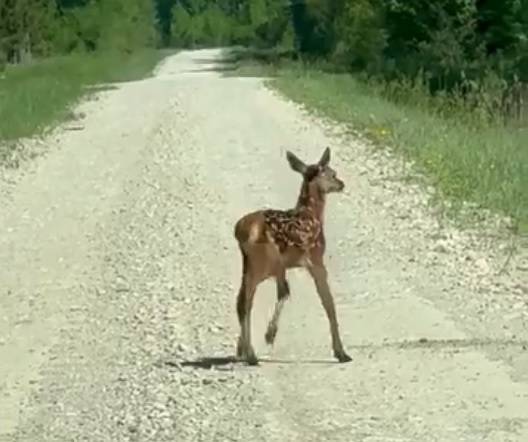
{"type": "Point", "coordinates": [295, 163]}
{"type": "Point", "coordinates": [325, 158]}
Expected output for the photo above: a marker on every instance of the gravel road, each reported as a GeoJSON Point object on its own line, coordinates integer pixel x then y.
{"type": "Point", "coordinates": [119, 273]}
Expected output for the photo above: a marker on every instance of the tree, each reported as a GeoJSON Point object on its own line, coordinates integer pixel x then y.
{"type": "Point", "coordinates": [40, 27]}
{"type": "Point", "coordinates": [361, 35]}
{"type": "Point", "coordinates": [180, 26]}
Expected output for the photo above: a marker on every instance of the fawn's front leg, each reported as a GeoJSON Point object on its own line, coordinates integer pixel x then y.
{"type": "Point", "coordinates": [320, 277]}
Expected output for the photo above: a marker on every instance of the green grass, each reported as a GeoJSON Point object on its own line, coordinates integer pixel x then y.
{"type": "Point", "coordinates": [486, 165]}
{"type": "Point", "coordinates": [36, 96]}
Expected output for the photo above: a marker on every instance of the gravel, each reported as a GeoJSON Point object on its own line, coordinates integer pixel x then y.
{"type": "Point", "coordinates": [117, 308]}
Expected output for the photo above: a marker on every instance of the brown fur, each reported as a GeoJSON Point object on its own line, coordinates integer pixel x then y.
{"type": "Point", "coordinates": [273, 241]}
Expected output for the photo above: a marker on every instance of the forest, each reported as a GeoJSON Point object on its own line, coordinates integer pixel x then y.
{"type": "Point", "coordinates": [40, 28]}
{"type": "Point", "coordinates": [469, 46]}
{"type": "Point", "coordinates": [464, 45]}
{"type": "Point", "coordinates": [466, 59]}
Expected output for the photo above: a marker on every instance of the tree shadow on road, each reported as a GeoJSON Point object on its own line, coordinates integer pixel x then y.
{"type": "Point", "coordinates": [242, 62]}
{"type": "Point", "coordinates": [442, 343]}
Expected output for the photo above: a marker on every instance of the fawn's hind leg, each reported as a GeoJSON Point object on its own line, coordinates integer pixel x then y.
{"type": "Point", "coordinates": [244, 305]}
{"type": "Point", "coordinates": [246, 295]}
{"type": "Point", "coordinates": [283, 293]}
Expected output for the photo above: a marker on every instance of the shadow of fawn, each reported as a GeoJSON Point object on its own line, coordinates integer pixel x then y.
{"type": "Point", "coordinates": [273, 241]}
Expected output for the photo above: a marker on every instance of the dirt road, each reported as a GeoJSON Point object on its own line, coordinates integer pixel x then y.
{"type": "Point", "coordinates": [118, 265]}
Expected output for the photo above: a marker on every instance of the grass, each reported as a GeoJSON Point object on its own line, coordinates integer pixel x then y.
{"type": "Point", "coordinates": [36, 96]}
{"type": "Point", "coordinates": [466, 161]}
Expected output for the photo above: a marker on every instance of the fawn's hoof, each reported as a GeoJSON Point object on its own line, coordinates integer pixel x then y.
{"type": "Point", "coordinates": [252, 360]}
{"type": "Point", "coordinates": [246, 354]}
{"type": "Point", "coordinates": [270, 335]}
{"type": "Point", "coordinates": [342, 356]}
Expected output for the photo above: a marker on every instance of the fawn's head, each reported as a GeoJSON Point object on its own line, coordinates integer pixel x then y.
{"type": "Point", "coordinates": [319, 174]}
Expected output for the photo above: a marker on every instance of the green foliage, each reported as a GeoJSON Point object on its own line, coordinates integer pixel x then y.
{"type": "Point", "coordinates": [126, 24]}
{"type": "Point", "coordinates": [43, 27]}
{"type": "Point", "coordinates": [25, 27]}
{"type": "Point", "coordinates": [477, 50]}
{"type": "Point", "coordinates": [362, 37]}
{"type": "Point", "coordinates": [314, 24]}
{"type": "Point", "coordinates": [181, 27]}
{"type": "Point", "coordinates": [262, 23]}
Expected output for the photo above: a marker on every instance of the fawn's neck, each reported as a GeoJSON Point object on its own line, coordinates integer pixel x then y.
{"type": "Point", "coordinates": [312, 200]}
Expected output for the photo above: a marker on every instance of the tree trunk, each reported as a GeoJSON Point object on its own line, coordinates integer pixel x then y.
{"type": "Point", "coordinates": [24, 49]}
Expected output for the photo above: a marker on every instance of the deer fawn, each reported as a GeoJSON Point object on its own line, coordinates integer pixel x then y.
{"type": "Point", "coordinates": [273, 241]}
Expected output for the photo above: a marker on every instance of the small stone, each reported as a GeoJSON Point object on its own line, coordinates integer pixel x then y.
{"type": "Point", "coordinates": [522, 288]}
{"type": "Point", "coordinates": [166, 423]}
{"type": "Point", "coordinates": [522, 267]}
{"type": "Point", "coordinates": [482, 265]}
{"type": "Point", "coordinates": [23, 320]}
{"type": "Point", "coordinates": [214, 328]}
{"type": "Point", "coordinates": [440, 247]}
